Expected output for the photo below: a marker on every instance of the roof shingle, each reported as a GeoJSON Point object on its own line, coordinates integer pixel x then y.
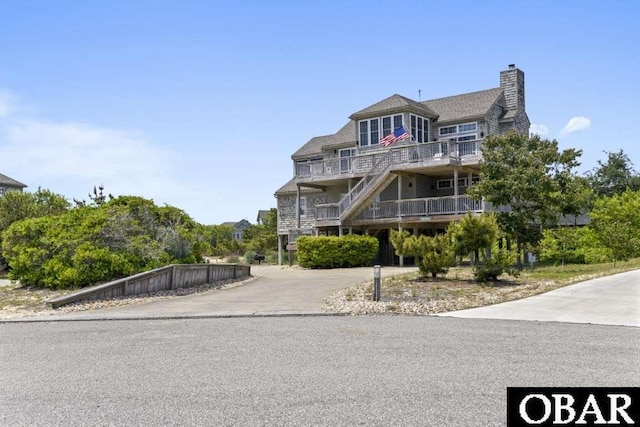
{"type": "Point", "coordinates": [395, 103]}
{"type": "Point", "coordinates": [464, 106]}
{"type": "Point", "coordinates": [5, 180]}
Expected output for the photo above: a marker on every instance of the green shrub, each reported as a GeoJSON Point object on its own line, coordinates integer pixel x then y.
{"type": "Point", "coordinates": [500, 262]}
{"type": "Point", "coordinates": [232, 259]}
{"type": "Point", "coordinates": [249, 257]}
{"type": "Point", "coordinates": [438, 255]}
{"type": "Point", "coordinates": [336, 252]}
{"type": "Point", "coordinates": [572, 245]}
{"type": "Point", "coordinates": [90, 244]}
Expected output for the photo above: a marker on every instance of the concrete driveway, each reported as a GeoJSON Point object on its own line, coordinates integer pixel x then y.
{"type": "Point", "coordinates": [275, 290]}
{"type": "Point", "coordinates": [611, 300]}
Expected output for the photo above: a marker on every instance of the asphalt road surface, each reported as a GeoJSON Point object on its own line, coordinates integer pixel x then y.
{"type": "Point", "coordinates": [297, 371]}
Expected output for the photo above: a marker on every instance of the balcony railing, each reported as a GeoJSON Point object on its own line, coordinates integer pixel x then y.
{"type": "Point", "coordinates": [410, 207]}
{"type": "Point", "coordinates": [409, 153]}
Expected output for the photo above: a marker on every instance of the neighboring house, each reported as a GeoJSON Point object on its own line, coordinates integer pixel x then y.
{"type": "Point", "coordinates": [349, 182]}
{"type": "Point", "coordinates": [262, 216]}
{"type": "Point", "coordinates": [7, 184]}
{"type": "Point", "coordinates": [238, 228]}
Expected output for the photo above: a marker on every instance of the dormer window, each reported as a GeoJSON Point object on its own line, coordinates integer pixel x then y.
{"type": "Point", "coordinates": [369, 129]}
{"type": "Point", "coordinates": [419, 128]}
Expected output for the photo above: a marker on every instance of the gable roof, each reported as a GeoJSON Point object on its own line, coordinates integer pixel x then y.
{"type": "Point", "coordinates": [262, 215]}
{"type": "Point", "coordinates": [451, 108]}
{"type": "Point", "coordinates": [345, 136]}
{"type": "Point", "coordinates": [395, 103]}
{"type": "Point", "coordinates": [5, 180]}
{"type": "Point", "coordinates": [243, 223]}
{"type": "Point", "coordinates": [468, 105]}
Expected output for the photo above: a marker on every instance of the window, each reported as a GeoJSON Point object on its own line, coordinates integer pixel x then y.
{"type": "Point", "coordinates": [468, 127]}
{"type": "Point", "coordinates": [472, 137]}
{"type": "Point", "coordinates": [463, 182]}
{"type": "Point", "coordinates": [303, 206]}
{"type": "Point", "coordinates": [448, 130]}
{"type": "Point", "coordinates": [364, 133]}
{"type": "Point", "coordinates": [419, 128]}
{"type": "Point", "coordinates": [445, 183]}
{"type": "Point", "coordinates": [465, 127]}
{"type": "Point", "coordinates": [370, 129]}
{"type": "Point", "coordinates": [345, 159]}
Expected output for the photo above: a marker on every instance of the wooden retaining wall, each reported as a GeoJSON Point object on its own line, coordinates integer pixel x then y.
{"type": "Point", "coordinates": [166, 278]}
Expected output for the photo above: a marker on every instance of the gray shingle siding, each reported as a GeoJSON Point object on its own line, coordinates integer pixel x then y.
{"type": "Point", "coordinates": [287, 218]}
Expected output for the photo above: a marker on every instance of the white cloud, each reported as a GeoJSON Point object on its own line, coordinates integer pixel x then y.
{"type": "Point", "coordinates": [539, 129]}
{"type": "Point", "coordinates": [576, 124]}
{"type": "Point", "coordinates": [70, 158]}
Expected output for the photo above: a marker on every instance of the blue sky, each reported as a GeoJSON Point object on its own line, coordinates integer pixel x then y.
{"type": "Point", "coordinates": [200, 104]}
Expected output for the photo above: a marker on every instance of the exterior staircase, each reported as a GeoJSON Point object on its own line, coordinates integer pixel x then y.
{"type": "Point", "coordinates": [360, 196]}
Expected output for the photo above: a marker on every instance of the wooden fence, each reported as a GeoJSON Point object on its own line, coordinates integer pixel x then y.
{"type": "Point", "coordinates": [161, 279]}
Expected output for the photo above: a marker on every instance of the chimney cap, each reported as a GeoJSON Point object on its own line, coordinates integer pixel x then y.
{"type": "Point", "coordinates": [512, 66]}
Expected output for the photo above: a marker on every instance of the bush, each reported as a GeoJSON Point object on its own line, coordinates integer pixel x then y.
{"type": "Point", "coordinates": [249, 257]}
{"type": "Point", "coordinates": [90, 244]}
{"type": "Point", "coordinates": [336, 252]}
{"type": "Point", "coordinates": [500, 262]}
{"type": "Point", "coordinates": [232, 259]}
{"type": "Point", "coordinates": [437, 255]}
{"type": "Point", "coordinates": [572, 245]}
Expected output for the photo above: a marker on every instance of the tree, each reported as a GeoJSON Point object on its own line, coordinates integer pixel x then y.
{"type": "Point", "coordinates": [615, 176]}
{"type": "Point", "coordinates": [18, 205]}
{"type": "Point", "coordinates": [616, 222]}
{"type": "Point", "coordinates": [263, 237]}
{"type": "Point", "coordinates": [529, 181]}
{"type": "Point", "coordinates": [474, 233]}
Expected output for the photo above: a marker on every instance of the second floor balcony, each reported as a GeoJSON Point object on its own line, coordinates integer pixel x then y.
{"type": "Point", "coordinates": [407, 208]}
{"type": "Point", "coordinates": [436, 152]}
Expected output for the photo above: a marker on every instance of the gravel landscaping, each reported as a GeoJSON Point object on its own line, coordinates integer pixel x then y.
{"type": "Point", "coordinates": [411, 294]}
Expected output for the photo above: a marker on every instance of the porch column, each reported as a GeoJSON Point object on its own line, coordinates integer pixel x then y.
{"type": "Point", "coordinates": [350, 230]}
{"type": "Point", "coordinates": [455, 188]}
{"type": "Point", "coordinates": [298, 205]}
{"type": "Point", "coordinates": [399, 195]}
{"type": "Point", "coordinates": [400, 257]}
{"type": "Point", "coordinates": [279, 249]}
{"type": "Point", "coordinates": [340, 230]}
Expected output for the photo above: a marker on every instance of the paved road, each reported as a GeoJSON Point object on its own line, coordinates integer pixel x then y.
{"type": "Point", "coordinates": [275, 290]}
{"type": "Point", "coordinates": [611, 300]}
{"type": "Point", "coordinates": [300, 371]}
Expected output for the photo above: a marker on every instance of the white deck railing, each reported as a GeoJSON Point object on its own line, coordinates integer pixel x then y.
{"type": "Point", "coordinates": [363, 163]}
{"type": "Point", "coordinates": [448, 205]}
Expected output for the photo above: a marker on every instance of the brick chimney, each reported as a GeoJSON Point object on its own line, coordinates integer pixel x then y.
{"type": "Point", "coordinates": [512, 81]}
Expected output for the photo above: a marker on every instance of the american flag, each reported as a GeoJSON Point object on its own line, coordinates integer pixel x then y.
{"type": "Point", "coordinates": [397, 135]}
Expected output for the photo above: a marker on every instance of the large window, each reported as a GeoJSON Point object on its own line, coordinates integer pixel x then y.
{"type": "Point", "coordinates": [373, 130]}
{"type": "Point", "coordinates": [463, 128]}
{"type": "Point", "coordinates": [419, 128]}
